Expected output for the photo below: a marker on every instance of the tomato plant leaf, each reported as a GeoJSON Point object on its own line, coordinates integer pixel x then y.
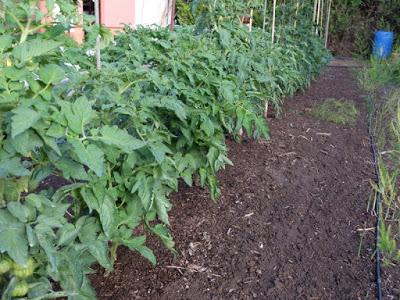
{"type": "Point", "coordinates": [22, 212]}
{"type": "Point", "coordinates": [91, 156]}
{"type": "Point", "coordinates": [13, 238]}
{"type": "Point", "coordinates": [99, 250]}
{"type": "Point", "coordinates": [34, 48]}
{"type": "Point", "coordinates": [51, 74]}
{"type": "Point", "coordinates": [23, 119]}
{"type": "Point", "coordinates": [78, 114]}
{"type": "Point", "coordinates": [112, 135]}
{"type": "Point", "coordinates": [5, 42]}
{"type": "Point", "coordinates": [12, 166]}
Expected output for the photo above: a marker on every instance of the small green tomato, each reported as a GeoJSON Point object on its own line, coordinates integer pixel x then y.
{"type": "Point", "coordinates": [5, 265]}
{"type": "Point", "coordinates": [21, 289]}
{"type": "Point", "coordinates": [24, 272]}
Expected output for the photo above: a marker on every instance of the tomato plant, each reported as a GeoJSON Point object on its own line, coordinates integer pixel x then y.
{"type": "Point", "coordinates": [115, 143]}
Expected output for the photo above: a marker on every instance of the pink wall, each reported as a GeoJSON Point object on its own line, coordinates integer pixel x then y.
{"type": "Point", "coordinates": [115, 13]}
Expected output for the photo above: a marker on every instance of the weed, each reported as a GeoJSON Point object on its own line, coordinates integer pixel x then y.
{"type": "Point", "coordinates": [381, 81]}
{"type": "Point", "coordinates": [339, 111]}
{"type": "Point", "coordinates": [387, 244]}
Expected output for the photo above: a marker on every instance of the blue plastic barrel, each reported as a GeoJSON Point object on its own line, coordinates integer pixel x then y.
{"type": "Point", "coordinates": [383, 42]}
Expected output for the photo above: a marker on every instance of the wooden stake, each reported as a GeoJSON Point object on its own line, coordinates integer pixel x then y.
{"type": "Point", "coordinates": [322, 14]}
{"type": "Point", "coordinates": [318, 12]}
{"type": "Point", "coordinates": [251, 21]}
{"type": "Point", "coordinates": [97, 14]}
{"type": "Point", "coordinates": [265, 14]}
{"type": "Point", "coordinates": [327, 24]}
{"type": "Point", "coordinates": [173, 10]}
{"type": "Point", "coordinates": [297, 12]}
{"type": "Point", "coordinates": [266, 110]}
{"type": "Point", "coordinates": [273, 21]}
{"type": "Point", "coordinates": [315, 11]}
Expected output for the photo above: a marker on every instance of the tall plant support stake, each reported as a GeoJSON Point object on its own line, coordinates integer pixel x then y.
{"type": "Point", "coordinates": [265, 14]}
{"type": "Point", "coordinates": [315, 10]}
{"type": "Point", "coordinates": [173, 10]}
{"type": "Point", "coordinates": [297, 12]}
{"type": "Point", "coordinates": [251, 21]}
{"type": "Point", "coordinates": [317, 19]}
{"type": "Point", "coordinates": [273, 21]}
{"type": "Point", "coordinates": [322, 16]}
{"type": "Point", "coordinates": [97, 14]}
{"type": "Point", "coordinates": [327, 23]}
{"type": "Point", "coordinates": [314, 14]}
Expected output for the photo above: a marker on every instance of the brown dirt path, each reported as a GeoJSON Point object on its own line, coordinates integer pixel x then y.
{"type": "Point", "coordinates": [287, 224]}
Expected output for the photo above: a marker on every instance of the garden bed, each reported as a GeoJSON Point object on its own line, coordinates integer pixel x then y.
{"type": "Point", "coordinates": [288, 224]}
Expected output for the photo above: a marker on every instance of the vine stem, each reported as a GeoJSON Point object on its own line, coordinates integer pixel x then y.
{"type": "Point", "coordinates": [41, 91]}
{"type": "Point", "coordinates": [55, 295]}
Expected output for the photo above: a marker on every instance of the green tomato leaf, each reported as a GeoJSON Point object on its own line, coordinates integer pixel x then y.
{"type": "Point", "coordinates": [207, 126]}
{"type": "Point", "coordinates": [12, 166]}
{"type": "Point", "coordinates": [99, 250]}
{"type": "Point", "coordinates": [26, 142]}
{"type": "Point", "coordinates": [163, 233]}
{"type": "Point", "coordinates": [137, 243]}
{"type": "Point", "coordinates": [162, 206]}
{"type": "Point", "coordinates": [22, 212]}
{"type": "Point", "coordinates": [91, 156]}
{"type": "Point", "coordinates": [13, 238]}
{"type": "Point", "coordinates": [114, 136]}
{"type": "Point", "coordinates": [78, 114]}
{"type": "Point", "coordinates": [5, 42]}
{"type": "Point", "coordinates": [34, 48]}
{"type": "Point", "coordinates": [23, 119]}
{"type": "Point", "coordinates": [107, 213]}
{"type": "Point", "coordinates": [51, 74]}
{"type": "Point", "coordinates": [67, 234]}
{"type": "Point", "coordinates": [159, 150]}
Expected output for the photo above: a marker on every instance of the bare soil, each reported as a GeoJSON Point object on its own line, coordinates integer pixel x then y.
{"type": "Point", "coordinates": [292, 222]}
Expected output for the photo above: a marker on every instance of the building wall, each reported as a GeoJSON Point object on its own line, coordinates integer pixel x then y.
{"type": "Point", "coordinates": [153, 12]}
{"type": "Point", "coordinates": [116, 13]}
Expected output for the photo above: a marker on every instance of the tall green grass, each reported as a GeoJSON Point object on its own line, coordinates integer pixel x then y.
{"type": "Point", "coordinates": [381, 81]}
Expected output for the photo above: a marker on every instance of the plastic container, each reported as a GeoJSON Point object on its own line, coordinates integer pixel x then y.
{"type": "Point", "coordinates": [383, 42]}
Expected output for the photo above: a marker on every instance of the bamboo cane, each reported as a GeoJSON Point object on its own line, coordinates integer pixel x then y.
{"type": "Point", "coordinates": [297, 12]}
{"type": "Point", "coordinates": [318, 12]}
{"type": "Point", "coordinates": [251, 21]}
{"type": "Point", "coordinates": [266, 110]}
{"type": "Point", "coordinates": [314, 11]}
{"type": "Point", "coordinates": [173, 10]}
{"type": "Point", "coordinates": [273, 21]}
{"type": "Point", "coordinates": [97, 14]}
{"type": "Point", "coordinates": [265, 14]}
{"type": "Point", "coordinates": [327, 23]}
{"type": "Point", "coordinates": [322, 14]}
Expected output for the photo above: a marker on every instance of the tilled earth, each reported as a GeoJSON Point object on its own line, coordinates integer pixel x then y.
{"type": "Point", "coordinates": [292, 222]}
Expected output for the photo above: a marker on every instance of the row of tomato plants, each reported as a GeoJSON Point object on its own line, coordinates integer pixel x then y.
{"type": "Point", "coordinates": [87, 156]}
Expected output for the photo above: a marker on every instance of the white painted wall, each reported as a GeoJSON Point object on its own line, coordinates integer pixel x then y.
{"type": "Point", "coordinates": [153, 12]}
